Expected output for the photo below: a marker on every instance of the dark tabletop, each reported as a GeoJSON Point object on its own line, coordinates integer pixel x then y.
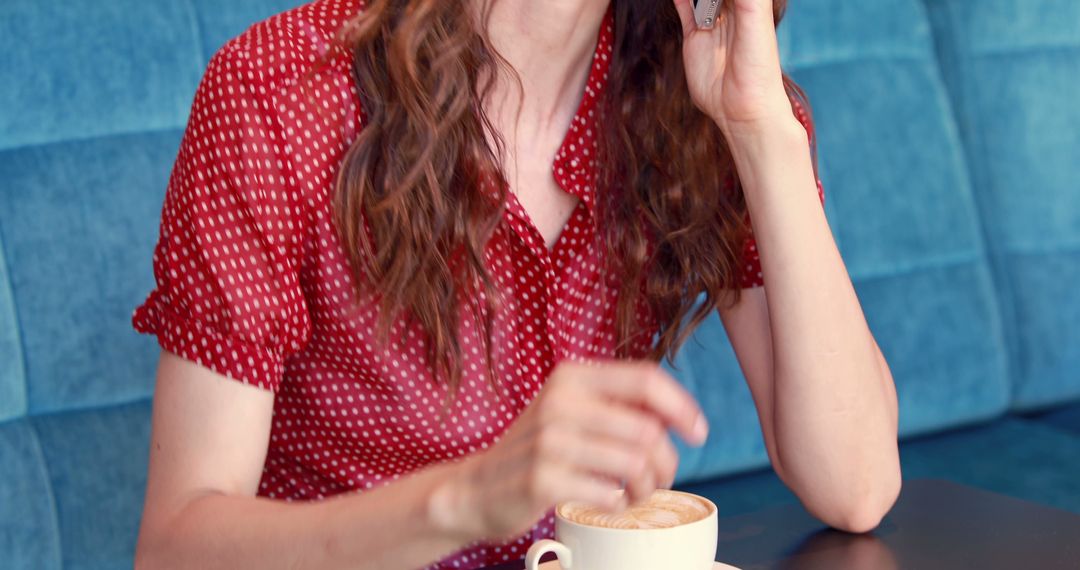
{"type": "Point", "coordinates": [934, 524]}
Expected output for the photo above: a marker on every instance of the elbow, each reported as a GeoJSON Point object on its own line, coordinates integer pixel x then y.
{"type": "Point", "coordinates": [865, 514]}
{"type": "Point", "coordinates": [160, 534]}
{"type": "Point", "coordinates": [859, 520]}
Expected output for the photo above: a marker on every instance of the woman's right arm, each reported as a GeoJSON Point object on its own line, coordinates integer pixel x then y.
{"type": "Point", "coordinates": [588, 428]}
{"type": "Point", "coordinates": [207, 446]}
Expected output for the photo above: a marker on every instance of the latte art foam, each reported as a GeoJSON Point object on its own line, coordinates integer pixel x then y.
{"type": "Point", "coordinates": [663, 509]}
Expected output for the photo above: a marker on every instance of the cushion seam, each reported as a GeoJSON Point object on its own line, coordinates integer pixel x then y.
{"type": "Point", "coordinates": [82, 408]}
{"type": "Point", "coordinates": [58, 547]}
{"type": "Point", "coordinates": [1023, 51]}
{"type": "Point", "coordinates": [20, 340]}
{"type": "Point", "coordinates": [931, 263]}
{"type": "Point", "coordinates": [807, 65]}
{"type": "Point", "coordinates": [91, 136]}
{"type": "Point", "coordinates": [975, 156]}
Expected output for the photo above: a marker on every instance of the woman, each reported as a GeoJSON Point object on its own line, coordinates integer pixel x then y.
{"type": "Point", "coordinates": [436, 258]}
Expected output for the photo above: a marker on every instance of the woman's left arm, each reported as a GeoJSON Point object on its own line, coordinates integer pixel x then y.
{"type": "Point", "coordinates": [829, 401]}
{"type": "Point", "coordinates": [823, 390]}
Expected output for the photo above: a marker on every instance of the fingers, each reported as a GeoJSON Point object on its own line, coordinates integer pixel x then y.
{"type": "Point", "coordinates": [685, 8]}
{"type": "Point", "coordinates": [634, 426]}
{"type": "Point", "coordinates": [614, 462]}
{"type": "Point", "coordinates": [648, 386]}
{"type": "Point", "coordinates": [641, 431]}
{"type": "Point", "coordinates": [627, 444]}
{"type": "Point", "coordinates": [656, 469]}
{"type": "Point", "coordinates": [560, 483]}
{"type": "Point", "coordinates": [603, 423]}
{"type": "Point", "coordinates": [611, 459]}
{"type": "Point", "coordinates": [665, 461]}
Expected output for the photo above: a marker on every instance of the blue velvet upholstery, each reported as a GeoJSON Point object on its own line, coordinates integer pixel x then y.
{"type": "Point", "coordinates": [102, 92]}
{"type": "Point", "coordinates": [948, 138]}
{"type": "Point", "coordinates": [29, 530]}
{"type": "Point", "coordinates": [73, 256]}
{"type": "Point", "coordinates": [90, 68]}
{"type": "Point", "coordinates": [98, 519]}
{"type": "Point", "coordinates": [218, 21]}
{"type": "Point", "coordinates": [1013, 69]}
{"type": "Point", "coordinates": [1063, 417]}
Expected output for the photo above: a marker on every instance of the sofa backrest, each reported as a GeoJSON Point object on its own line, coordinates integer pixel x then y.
{"type": "Point", "coordinates": [94, 99]}
{"type": "Point", "coordinates": [102, 92]}
{"type": "Point", "coordinates": [1013, 72]}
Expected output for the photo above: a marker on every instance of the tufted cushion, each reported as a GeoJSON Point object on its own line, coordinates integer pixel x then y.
{"type": "Point", "coordinates": [1013, 72]}
{"type": "Point", "coordinates": [87, 68]}
{"type": "Point", "coordinates": [102, 90]}
{"type": "Point", "coordinates": [217, 21]}
{"type": "Point", "coordinates": [97, 471]}
{"type": "Point", "coordinates": [79, 220]}
{"type": "Point", "coordinates": [899, 203]}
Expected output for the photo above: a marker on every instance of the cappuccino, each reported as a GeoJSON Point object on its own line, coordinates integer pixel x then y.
{"type": "Point", "coordinates": [663, 509]}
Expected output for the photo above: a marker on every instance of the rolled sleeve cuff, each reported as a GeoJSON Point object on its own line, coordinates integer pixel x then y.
{"type": "Point", "coordinates": [228, 355]}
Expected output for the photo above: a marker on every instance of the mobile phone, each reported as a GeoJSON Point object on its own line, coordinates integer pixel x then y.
{"type": "Point", "coordinates": [705, 12]}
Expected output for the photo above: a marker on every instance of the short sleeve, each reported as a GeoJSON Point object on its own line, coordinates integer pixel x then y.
{"type": "Point", "coordinates": [751, 276]}
{"type": "Point", "coordinates": [227, 261]}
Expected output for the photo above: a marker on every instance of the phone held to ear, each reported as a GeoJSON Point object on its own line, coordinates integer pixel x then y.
{"type": "Point", "coordinates": [705, 12]}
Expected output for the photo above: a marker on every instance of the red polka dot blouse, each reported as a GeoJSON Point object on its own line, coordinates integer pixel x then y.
{"type": "Point", "coordinates": [252, 282]}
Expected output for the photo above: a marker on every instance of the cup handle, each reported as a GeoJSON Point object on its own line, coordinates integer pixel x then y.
{"type": "Point", "coordinates": [542, 547]}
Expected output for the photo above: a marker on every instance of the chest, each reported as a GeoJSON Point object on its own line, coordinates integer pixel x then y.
{"type": "Point", "coordinates": [547, 206]}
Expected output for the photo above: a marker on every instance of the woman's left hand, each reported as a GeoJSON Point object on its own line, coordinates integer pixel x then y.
{"type": "Point", "coordinates": [733, 69]}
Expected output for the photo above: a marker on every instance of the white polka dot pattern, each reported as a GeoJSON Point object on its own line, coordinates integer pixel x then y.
{"type": "Point", "coordinates": [252, 281]}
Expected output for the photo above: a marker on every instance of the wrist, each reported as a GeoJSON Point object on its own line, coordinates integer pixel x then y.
{"type": "Point", "coordinates": [777, 131]}
{"type": "Point", "coordinates": [780, 136]}
{"type": "Point", "coordinates": [451, 505]}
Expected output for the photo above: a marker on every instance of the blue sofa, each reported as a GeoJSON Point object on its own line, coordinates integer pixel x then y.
{"type": "Point", "coordinates": [949, 137]}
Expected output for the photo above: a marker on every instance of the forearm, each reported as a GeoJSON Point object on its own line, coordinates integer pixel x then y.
{"type": "Point", "coordinates": [383, 528]}
{"type": "Point", "coordinates": [834, 417]}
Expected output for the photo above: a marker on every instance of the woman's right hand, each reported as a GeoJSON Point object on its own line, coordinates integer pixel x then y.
{"type": "Point", "coordinates": [591, 426]}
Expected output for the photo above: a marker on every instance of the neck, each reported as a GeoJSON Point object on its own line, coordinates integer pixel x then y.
{"type": "Point", "coordinates": [550, 45]}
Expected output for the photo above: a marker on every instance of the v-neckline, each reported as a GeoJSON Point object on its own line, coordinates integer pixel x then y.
{"type": "Point", "coordinates": [568, 163]}
{"type": "Point", "coordinates": [520, 210]}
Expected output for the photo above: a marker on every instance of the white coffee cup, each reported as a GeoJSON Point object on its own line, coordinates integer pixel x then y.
{"type": "Point", "coordinates": [687, 546]}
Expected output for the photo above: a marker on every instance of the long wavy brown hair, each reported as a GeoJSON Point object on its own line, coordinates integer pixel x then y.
{"type": "Point", "coordinates": [410, 208]}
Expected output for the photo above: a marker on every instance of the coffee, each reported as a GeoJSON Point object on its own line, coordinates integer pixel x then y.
{"type": "Point", "coordinates": [663, 509]}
